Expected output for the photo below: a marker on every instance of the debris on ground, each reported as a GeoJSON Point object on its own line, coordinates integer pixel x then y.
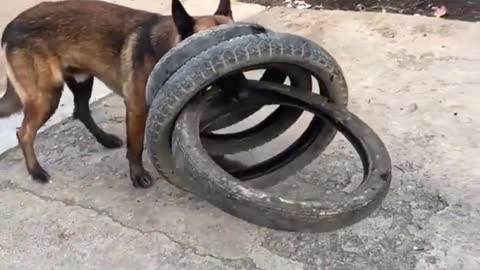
{"type": "Point", "coordinates": [465, 10]}
{"type": "Point", "coordinates": [297, 4]}
{"type": "Point", "coordinates": [440, 11]}
{"type": "Point", "coordinates": [360, 7]}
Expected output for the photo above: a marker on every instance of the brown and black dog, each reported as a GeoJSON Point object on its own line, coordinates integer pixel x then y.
{"type": "Point", "coordinates": [72, 42]}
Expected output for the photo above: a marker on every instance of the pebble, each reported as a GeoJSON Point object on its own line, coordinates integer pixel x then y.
{"type": "Point", "coordinates": [412, 107]}
{"type": "Point", "coordinates": [416, 248]}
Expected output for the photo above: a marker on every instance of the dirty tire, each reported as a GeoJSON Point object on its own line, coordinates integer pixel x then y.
{"type": "Point", "coordinates": [276, 168]}
{"type": "Point", "coordinates": [211, 182]}
{"type": "Point", "coordinates": [226, 57]}
{"type": "Point", "coordinates": [268, 129]}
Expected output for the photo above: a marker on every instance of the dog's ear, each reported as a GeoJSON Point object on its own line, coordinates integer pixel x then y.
{"type": "Point", "coordinates": [224, 8]}
{"type": "Point", "coordinates": [183, 21]}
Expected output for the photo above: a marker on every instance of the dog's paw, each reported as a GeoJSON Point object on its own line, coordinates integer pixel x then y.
{"type": "Point", "coordinates": [40, 175]}
{"type": "Point", "coordinates": [110, 141]}
{"type": "Point", "coordinates": [143, 180]}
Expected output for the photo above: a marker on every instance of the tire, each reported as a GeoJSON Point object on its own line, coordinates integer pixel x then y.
{"type": "Point", "coordinates": [222, 59]}
{"type": "Point", "coordinates": [222, 144]}
{"type": "Point", "coordinates": [275, 169]}
{"type": "Point", "coordinates": [224, 191]}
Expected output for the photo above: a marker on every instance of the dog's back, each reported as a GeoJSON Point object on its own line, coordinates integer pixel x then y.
{"type": "Point", "coordinates": [84, 35]}
{"type": "Point", "coordinates": [74, 21]}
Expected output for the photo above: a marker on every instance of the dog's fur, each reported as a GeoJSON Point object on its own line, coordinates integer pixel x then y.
{"type": "Point", "coordinates": [72, 42]}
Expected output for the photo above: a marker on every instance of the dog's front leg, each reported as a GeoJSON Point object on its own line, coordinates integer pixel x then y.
{"type": "Point", "coordinates": [136, 117]}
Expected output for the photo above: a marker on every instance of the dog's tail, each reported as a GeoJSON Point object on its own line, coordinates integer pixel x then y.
{"type": "Point", "coordinates": [10, 102]}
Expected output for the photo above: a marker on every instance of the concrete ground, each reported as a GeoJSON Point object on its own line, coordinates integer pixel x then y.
{"type": "Point", "coordinates": [415, 80]}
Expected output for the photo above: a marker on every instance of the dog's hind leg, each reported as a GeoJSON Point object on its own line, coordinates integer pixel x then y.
{"type": "Point", "coordinates": [39, 81]}
{"type": "Point", "coordinates": [82, 91]}
{"type": "Point", "coordinates": [36, 113]}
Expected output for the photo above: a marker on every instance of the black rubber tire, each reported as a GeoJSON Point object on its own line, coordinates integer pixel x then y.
{"type": "Point", "coordinates": [223, 144]}
{"type": "Point", "coordinates": [275, 169]}
{"type": "Point", "coordinates": [225, 58]}
{"type": "Point", "coordinates": [279, 121]}
{"type": "Point", "coordinates": [225, 192]}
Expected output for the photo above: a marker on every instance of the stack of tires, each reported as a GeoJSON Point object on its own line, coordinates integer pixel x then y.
{"type": "Point", "coordinates": [199, 88]}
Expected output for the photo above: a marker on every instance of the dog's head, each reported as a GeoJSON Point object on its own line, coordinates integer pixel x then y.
{"type": "Point", "coordinates": [187, 25]}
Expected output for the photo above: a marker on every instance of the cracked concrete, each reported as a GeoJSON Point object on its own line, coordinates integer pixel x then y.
{"type": "Point", "coordinates": [178, 253]}
{"type": "Point", "coordinates": [414, 80]}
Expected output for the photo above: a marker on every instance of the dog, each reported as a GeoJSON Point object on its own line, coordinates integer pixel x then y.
{"type": "Point", "coordinates": [73, 42]}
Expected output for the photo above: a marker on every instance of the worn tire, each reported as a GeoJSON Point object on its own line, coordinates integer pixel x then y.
{"type": "Point", "coordinates": [274, 169]}
{"type": "Point", "coordinates": [221, 59]}
{"type": "Point", "coordinates": [268, 129]}
{"type": "Point", "coordinates": [211, 182]}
